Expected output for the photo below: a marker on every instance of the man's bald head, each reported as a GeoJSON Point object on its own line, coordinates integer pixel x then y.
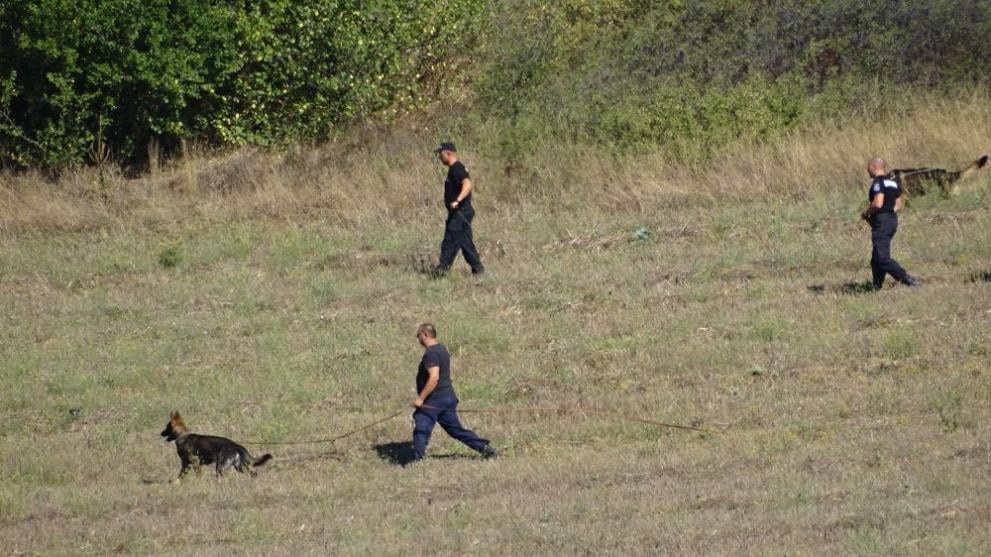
{"type": "Point", "coordinates": [427, 329]}
{"type": "Point", "coordinates": [877, 167]}
{"type": "Point", "coordinates": [426, 335]}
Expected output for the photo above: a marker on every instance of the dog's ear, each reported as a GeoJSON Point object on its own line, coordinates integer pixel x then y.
{"type": "Point", "coordinates": [175, 415]}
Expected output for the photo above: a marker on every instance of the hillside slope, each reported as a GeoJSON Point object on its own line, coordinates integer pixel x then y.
{"type": "Point", "coordinates": [273, 297]}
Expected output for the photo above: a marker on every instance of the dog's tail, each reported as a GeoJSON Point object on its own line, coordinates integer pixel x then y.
{"type": "Point", "coordinates": [261, 460]}
{"type": "Point", "coordinates": [961, 175]}
{"type": "Point", "coordinates": [973, 167]}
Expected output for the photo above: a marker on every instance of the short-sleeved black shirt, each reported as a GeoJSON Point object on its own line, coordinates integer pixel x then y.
{"type": "Point", "coordinates": [456, 175]}
{"type": "Point", "coordinates": [891, 191]}
{"type": "Point", "coordinates": [435, 356]}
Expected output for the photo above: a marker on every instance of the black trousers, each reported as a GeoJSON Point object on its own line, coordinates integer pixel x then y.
{"type": "Point", "coordinates": [883, 229]}
{"type": "Point", "coordinates": [457, 236]}
{"type": "Point", "coordinates": [443, 411]}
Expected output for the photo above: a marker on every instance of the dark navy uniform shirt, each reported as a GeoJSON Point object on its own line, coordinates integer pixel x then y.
{"type": "Point", "coordinates": [456, 175]}
{"type": "Point", "coordinates": [891, 191]}
{"type": "Point", "coordinates": [436, 356]}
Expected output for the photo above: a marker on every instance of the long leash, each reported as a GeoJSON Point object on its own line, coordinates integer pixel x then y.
{"type": "Point", "coordinates": [548, 410]}
{"type": "Point", "coordinates": [329, 439]}
{"type": "Point", "coordinates": [601, 413]}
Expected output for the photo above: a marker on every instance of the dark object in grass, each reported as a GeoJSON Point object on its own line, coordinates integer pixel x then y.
{"type": "Point", "coordinates": [170, 256]}
{"type": "Point", "coordinates": [847, 288]}
{"type": "Point", "coordinates": [862, 287]}
{"type": "Point", "coordinates": [399, 453]}
{"type": "Point", "coordinates": [421, 264]}
{"type": "Point", "coordinates": [981, 276]}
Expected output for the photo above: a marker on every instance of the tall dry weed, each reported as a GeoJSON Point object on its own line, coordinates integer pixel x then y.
{"type": "Point", "coordinates": [378, 176]}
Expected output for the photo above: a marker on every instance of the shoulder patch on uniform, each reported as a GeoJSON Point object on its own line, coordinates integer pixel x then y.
{"type": "Point", "coordinates": [876, 188]}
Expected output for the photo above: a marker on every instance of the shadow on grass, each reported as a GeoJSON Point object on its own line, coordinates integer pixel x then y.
{"type": "Point", "coordinates": [363, 261]}
{"type": "Point", "coordinates": [981, 276]}
{"type": "Point", "coordinates": [398, 453]}
{"type": "Point", "coordinates": [853, 288]}
{"type": "Point", "coordinates": [453, 456]}
{"type": "Point", "coordinates": [848, 288]}
{"type": "Point", "coordinates": [422, 264]}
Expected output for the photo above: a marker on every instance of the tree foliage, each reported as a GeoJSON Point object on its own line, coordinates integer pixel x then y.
{"type": "Point", "coordinates": [690, 77]}
{"type": "Point", "coordinates": [694, 76]}
{"type": "Point", "coordinates": [226, 72]}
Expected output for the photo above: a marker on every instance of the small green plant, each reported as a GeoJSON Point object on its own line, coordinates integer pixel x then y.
{"type": "Point", "coordinates": [978, 348]}
{"type": "Point", "coordinates": [642, 234]}
{"type": "Point", "coordinates": [899, 345]}
{"type": "Point", "coordinates": [170, 255]}
{"type": "Point", "coordinates": [949, 406]}
{"type": "Point", "coordinates": [770, 330]}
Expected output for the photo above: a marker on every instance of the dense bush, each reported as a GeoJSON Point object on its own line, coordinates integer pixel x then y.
{"type": "Point", "coordinates": [691, 77]}
{"type": "Point", "coordinates": [695, 76]}
{"type": "Point", "coordinates": [228, 72]}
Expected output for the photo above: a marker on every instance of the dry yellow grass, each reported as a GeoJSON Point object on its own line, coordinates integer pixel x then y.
{"type": "Point", "coordinates": [392, 177]}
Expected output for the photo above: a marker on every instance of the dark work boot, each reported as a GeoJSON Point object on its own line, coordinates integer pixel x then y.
{"type": "Point", "coordinates": [488, 452]}
{"type": "Point", "coordinates": [913, 282]}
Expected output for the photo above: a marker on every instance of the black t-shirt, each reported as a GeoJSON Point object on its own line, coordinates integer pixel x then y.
{"type": "Point", "coordinates": [456, 175]}
{"type": "Point", "coordinates": [891, 191]}
{"type": "Point", "coordinates": [435, 356]}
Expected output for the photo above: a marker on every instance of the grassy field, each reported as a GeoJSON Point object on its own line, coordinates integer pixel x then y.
{"type": "Point", "coordinates": [275, 297]}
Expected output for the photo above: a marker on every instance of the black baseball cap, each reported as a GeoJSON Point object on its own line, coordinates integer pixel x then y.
{"type": "Point", "coordinates": [446, 146]}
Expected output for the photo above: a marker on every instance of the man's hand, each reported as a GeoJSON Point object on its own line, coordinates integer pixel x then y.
{"type": "Point", "coordinates": [433, 376]}
{"type": "Point", "coordinates": [866, 215]}
{"type": "Point", "coordinates": [454, 205]}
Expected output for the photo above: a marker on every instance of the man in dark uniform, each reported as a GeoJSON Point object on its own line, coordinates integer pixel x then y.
{"type": "Point", "coordinates": [435, 401]}
{"type": "Point", "coordinates": [457, 200]}
{"type": "Point", "coordinates": [884, 201]}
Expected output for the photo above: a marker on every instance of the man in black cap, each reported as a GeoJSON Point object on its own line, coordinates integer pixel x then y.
{"type": "Point", "coordinates": [884, 201]}
{"type": "Point", "coordinates": [457, 200]}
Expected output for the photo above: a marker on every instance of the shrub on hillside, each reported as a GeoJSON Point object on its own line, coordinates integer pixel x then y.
{"type": "Point", "coordinates": [696, 76]}
{"type": "Point", "coordinates": [224, 72]}
{"type": "Point", "coordinates": [691, 77]}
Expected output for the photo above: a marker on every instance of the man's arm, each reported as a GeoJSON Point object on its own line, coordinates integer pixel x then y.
{"type": "Point", "coordinates": [899, 202]}
{"type": "Point", "coordinates": [465, 190]}
{"type": "Point", "coordinates": [433, 376]}
{"type": "Point", "coordinates": [875, 205]}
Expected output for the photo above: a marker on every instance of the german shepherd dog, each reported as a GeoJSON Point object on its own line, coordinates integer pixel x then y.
{"type": "Point", "coordinates": [920, 181]}
{"type": "Point", "coordinates": [196, 450]}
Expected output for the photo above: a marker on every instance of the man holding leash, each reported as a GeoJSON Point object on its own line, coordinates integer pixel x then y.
{"type": "Point", "coordinates": [884, 201]}
{"type": "Point", "coordinates": [457, 200]}
{"type": "Point", "coordinates": [435, 401]}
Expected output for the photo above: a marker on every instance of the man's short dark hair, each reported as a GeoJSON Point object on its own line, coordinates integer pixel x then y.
{"type": "Point", "coordinates": [429, 329]}
{"type": "Point", "coordinates": [446, 146]}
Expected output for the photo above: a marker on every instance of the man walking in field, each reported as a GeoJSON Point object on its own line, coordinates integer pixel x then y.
{"type": "Point", "coordinates": [435, 401]}
{"type": "Point", "coordinates": [884, 201]}
{"type": "Point", "coordinates": [457, 200]}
